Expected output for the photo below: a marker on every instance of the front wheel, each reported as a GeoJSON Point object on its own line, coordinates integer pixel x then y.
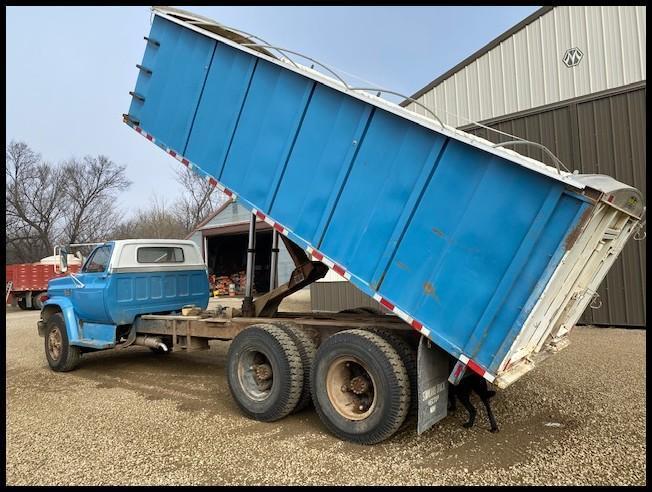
{"type": "Point", "coordinates": [360, 387]}
{"type": "Point", "coordinates": [60, 354]}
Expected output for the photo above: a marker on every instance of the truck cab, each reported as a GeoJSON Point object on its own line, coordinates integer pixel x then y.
{"type": "Point", "coordinates": [119, 281]}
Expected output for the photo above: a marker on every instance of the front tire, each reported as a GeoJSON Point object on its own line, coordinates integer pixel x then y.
{"type": "Point", "coordinates": [360, 387]}
{"type": "Point", "coordinates": [61, 356]}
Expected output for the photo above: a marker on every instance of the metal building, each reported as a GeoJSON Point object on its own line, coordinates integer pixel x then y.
{"type": "Point", "coordinates": [573, 79]}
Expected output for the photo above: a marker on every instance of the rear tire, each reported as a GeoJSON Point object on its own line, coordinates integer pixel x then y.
{"type": "Point", "coordinates": [360, 387]}
{"type": "Point", "coordinates": [36, 301]}
{"type": "Point", "coordinates": [264, 372]}
{"type": "Point", "coordinates": [408, 355]}
{"type": "Point", "coordinates": [22, 303]}
{"type": "Point", "coordinates": [61, 356]}
{"type": "Point", "coordinates": [307, 350]}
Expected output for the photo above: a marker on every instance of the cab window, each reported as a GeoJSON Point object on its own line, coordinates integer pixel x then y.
{"type": "Point", "coordinates": [98, 261]}
{"type": "Point", "coordinates": [159, 254]}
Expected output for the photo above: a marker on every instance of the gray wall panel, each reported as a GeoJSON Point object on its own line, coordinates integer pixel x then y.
{"type": "Point", "coordinates": [335, 296]}
{"type": "Point", "coordinates": [601, 134]}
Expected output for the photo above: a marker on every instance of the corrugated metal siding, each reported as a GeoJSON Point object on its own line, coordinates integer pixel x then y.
{"type": "Point", "coordinates": [336, 296]}
{"type": "Point", "coordinates": [603, 135]}
{"type": "Point", "coordinates": [526, 69]}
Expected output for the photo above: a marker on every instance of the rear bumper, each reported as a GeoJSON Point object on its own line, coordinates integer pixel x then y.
{"type": "Point", "coordinates": [525, 365]}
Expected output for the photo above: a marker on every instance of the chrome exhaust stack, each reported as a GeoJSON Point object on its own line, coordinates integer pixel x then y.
{"type": "Point", "coordinates": [151, 342]}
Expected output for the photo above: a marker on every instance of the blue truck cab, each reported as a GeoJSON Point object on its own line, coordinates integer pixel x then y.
{"type": "Point", "coordinates": [119, 281]}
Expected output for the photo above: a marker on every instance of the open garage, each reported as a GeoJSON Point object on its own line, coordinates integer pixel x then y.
{"type": "Point", "coordinates": [222, 239]}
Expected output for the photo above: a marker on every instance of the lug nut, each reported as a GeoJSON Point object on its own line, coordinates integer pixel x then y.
{"type": "Point", "coordinates": [344, 388]}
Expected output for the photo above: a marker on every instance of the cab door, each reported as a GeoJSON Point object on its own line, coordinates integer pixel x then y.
{"type": "Point", "coordinates": [89, 299]}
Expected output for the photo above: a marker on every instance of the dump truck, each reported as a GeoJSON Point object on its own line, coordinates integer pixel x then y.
{"type": "Point", "coordinates": [484, 259]}
{"type": "Point", "coordinates": [27, 282]}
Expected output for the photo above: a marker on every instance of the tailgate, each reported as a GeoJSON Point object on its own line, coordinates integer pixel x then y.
{"type": "Point", "coordinates": [571, 288]}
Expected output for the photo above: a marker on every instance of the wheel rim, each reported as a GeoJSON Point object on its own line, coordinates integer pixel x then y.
{"type": "Point", "coordinates": [255, 374]}
{"type": "Point", "coordinates": [351, 388]}
{"type": "Point", "coordinates": [54, 343]}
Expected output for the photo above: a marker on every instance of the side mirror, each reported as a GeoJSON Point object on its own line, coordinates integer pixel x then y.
{"type": "Point", "coordinates": [63, 260]}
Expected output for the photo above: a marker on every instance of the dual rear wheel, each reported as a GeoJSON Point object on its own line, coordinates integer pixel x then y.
{"type": "Point", "coordinates": [357, 379]}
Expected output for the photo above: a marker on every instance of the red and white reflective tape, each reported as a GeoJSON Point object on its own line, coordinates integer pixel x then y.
{"type": "Point", "coordinates": [425, 332]}
{"type": "Point", "coordinates": [283, 230]}
{"type": "Point", "coordinates": [476, 368]}
{"type": "Point", "coordinates": [329, 263]}
{"type": "Point", "coordinates": [145, 134]}
{"type": "Point", "coordinates": [212, 181]}
{"type": "Point", "coordinates": [418, 326]}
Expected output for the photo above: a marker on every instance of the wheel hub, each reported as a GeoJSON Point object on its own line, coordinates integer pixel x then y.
{"type": "Point", "coordinates": [359, 385]}
{"type": "Point", "coordinates": [351, 388]}
{"type": "Point", "coordinates": [255, 374]}
{"type": "Point", "coordinates": [263, 372]}
{"type": "Point", "coordinates": [54, 344]}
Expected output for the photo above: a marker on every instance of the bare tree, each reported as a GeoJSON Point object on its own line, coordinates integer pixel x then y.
{"type": "Point", "coordinates": [198, 200]}
{"type": "Point", "coordinates": [34, 198]}
{"type": "Point", "coordinates": [48, 205]}
{"type": "Point", "coordinates": [154, 222]}
{"type": "Point", "coordinates": [91, 188]}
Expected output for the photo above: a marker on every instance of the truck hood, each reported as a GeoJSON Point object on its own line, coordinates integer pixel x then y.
{"type": "Point", "coordinates": [61, 283]}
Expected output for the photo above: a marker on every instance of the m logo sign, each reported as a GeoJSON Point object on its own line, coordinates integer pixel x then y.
{"type": "Point", "coordinates": [572, 57]}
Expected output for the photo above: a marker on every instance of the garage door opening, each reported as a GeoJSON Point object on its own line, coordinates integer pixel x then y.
{"type": "Point", "coordinates": [227, 262]}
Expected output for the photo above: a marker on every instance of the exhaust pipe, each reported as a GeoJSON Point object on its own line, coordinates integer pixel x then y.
{"type": "Point", "coordinates": [151, 342]}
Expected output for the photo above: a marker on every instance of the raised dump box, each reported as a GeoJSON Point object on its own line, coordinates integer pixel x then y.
{"type": "Point", "coordinates": [491, 255]}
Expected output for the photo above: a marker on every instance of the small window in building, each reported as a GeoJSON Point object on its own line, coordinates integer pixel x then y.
{"type": "Point", "coordinates": [160, 254]}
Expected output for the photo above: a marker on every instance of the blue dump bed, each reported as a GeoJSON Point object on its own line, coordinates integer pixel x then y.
{"type": "Point", "coordinates": [458, 238]}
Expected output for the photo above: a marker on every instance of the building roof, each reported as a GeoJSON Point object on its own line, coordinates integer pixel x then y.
{"type": "Point", "coordinates": [470, 59]}
{"type": "Point", "coordinates": [210, 217]}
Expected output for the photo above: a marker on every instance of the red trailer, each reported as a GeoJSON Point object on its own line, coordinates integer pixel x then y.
{"type": "Point", "coordinates": [29, 281]}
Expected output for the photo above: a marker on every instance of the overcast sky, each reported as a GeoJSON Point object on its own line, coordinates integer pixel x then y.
{"type": "Point", "coordinates": [70, 69]}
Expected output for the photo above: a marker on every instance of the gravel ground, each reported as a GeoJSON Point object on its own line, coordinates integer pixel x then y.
{"type": "Point", "coordinates": [137, 418]}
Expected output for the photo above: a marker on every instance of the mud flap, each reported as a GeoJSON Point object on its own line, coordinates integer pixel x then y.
{"type": "Point", "coordinates": [432, 381]}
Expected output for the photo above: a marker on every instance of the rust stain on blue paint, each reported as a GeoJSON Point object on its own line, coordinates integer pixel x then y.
{"type": "Point", "coordinates": [429, 290]}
